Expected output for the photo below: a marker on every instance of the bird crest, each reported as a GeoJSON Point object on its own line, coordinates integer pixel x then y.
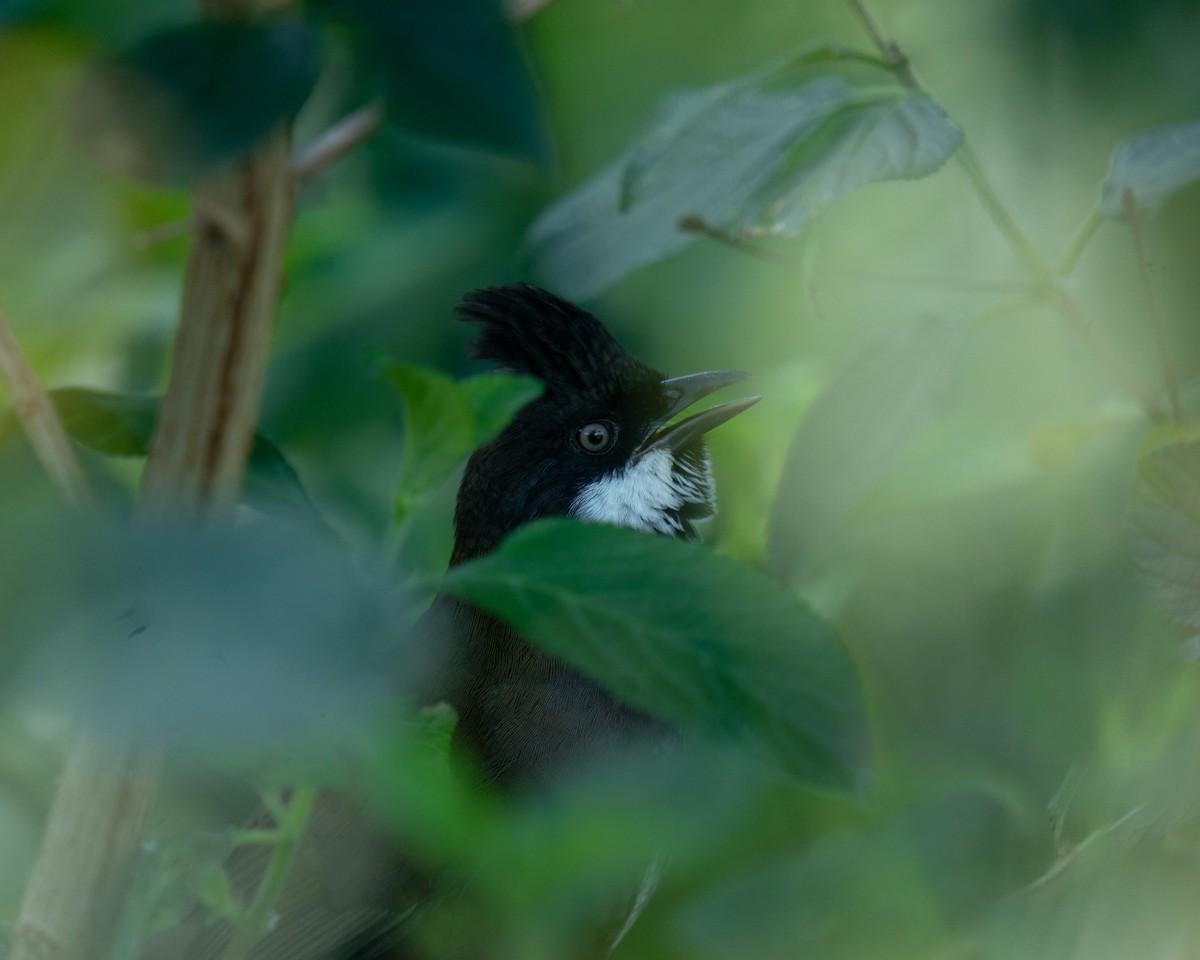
{"type": "Point", "coordinates": [528, 330]}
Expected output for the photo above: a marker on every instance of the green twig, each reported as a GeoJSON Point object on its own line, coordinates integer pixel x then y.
{"type": "Point", "coordinates": [1160, 334]}
{"type": "Point", "coordinates": [1083, 236]}
{"type": "Point", "coordinates": [1045, 283]}
{"type": "Point", "coordinates": [253, 924]}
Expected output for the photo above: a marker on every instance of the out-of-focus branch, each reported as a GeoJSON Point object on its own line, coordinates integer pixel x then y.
{"type": "Point", "coordinates": [39, 419]}
{"type": "Point", "coordinates": [518, 10]}
{"type": "Point", "coordinates": [333, 144]}
{"type": "Point", "coordinates": [336, 142]}
{"type": "Point", "coordinates": [230, 293]}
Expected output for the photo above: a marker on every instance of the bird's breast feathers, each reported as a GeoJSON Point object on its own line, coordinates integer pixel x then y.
{"type": "Point", "coordinates": [656, 492]}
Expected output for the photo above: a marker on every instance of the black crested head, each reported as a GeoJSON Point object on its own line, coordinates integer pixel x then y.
{"type": "Point", "coordinates": [600, 443]}
{"type": "Point", "coordinates": [526, 329]}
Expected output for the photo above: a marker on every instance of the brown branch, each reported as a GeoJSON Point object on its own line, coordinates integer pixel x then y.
{"type": "Point", "coordinates": [336, 142]}
{"type": "Point", "coordinates": [195, 469]}
{"type": "Point", "coordinates": [39, 419]}
{"type": "Point", "coordinates": [231, 289]}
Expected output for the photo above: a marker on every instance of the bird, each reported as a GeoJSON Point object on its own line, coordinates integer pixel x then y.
{"type": "Point", "coordinates": [608, 441]}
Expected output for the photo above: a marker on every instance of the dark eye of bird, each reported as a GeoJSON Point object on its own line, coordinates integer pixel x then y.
{"type": "Point", "coordinates": [596, 437]}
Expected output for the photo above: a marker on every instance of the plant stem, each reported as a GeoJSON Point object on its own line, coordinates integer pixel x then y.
{"type": "Point", "coordinates": [39, 419]}
{"type": "Point", "coordinates": [1156, 322]}
{"type": "Point", "coordinates": [253, 925]}
{"type": "Point", "coordinates": [1082, 238]}
{"type": "Point", "coordinates": [1047, 286]}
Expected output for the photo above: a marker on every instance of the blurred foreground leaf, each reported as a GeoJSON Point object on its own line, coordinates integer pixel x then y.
{"type": "Point", "coordinates": [452, 70]}
{"type": "Point", "coordinates": [762, 154]}
{"type": "Point", "coordinates": [121, 425]}
{"type": "Point", "coordinates": [686, 633]}
{"type": "Point", "coordinates": [445, 420]}
{"type": "Point", "coordinates": [1151, 166]}
{"type": "Point", "coordinates": [188, 98]}
{"type": "Point", "coordinates": [1166, 523]}
{"type": "Point", "coordinates": [223, 638]}
{"type": "Point", "coordinates": [854, 433]}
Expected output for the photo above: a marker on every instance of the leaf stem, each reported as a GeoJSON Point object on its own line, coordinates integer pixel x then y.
{"type": "Point", "coordinates": [254, 922]}
{"type": "Point", "coordinates": [1156, 321]}
{"type": "Point", "coordinates": [1047, 286]}
{"type": "Point", "coordinates": [1082, 238]}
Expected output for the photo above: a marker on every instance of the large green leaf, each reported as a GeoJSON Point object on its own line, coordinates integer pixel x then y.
{"type": "Point", "coordinates": [447, 419]}
{"type": "Point", "coordinates": [121, 425]}
{"type": "Point", "coordinates": [683, 632]}
{"type": "Point", "coordinates": [854, 433]}
{"type": "Point", "coordinates": [1151, 166]}
{"type": "Point", "coordinates": [762, 154]}
{"type": "Point", "coordinates": [452, 70]}
{"type": "Point", "coordinates": [190, 97]}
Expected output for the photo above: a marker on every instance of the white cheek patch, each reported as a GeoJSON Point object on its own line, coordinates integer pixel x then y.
{"type": "Point", "coordinates": [649, 494]}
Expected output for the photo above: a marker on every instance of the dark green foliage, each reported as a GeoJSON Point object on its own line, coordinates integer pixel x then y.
{"type": "Point", "coordinates": [185, 99]}
{"type": "Point", "coordinates": [121, 425]}
{"type": "Point", "coordinates": [685, 633]}
{"type": "Point", "coordinates": [450, 70]}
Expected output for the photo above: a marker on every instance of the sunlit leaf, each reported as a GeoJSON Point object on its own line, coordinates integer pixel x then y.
{"type": "Point", "coordinates": [762, 154]}
{"type": "Point", "coordinates": [452, 70]}
{"type": "Point", "coordinates": [854, 433]}
{"type": "Point", "coordinates": [1151, 166]}
{"type": "Point", "coordinates": [121, 425]}
{"type": "Point", "coordinates": [188, 98]}
{"type": "Point", "coordinates": [1166, 521]}
{"type": "Point", "coordinates": [684, 632]}
{"type": "Point", "coordinates": [445, 420]}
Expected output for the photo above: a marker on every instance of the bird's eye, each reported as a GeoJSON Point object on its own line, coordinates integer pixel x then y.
{"type": "Point", "coordinates": [596, 437]}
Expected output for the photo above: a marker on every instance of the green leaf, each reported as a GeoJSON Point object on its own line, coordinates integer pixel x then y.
{"type": "Point", "coordinates": [685, 633]}
{"type": "Point", "coordinates": [452, 70]}
{"type": "Point", "coordinates": [446, 420]}
{"type": "Point", "coordinates": [1151, 166]}
{"type": "Point", "coordinates": [854, 433]}
{"type": "Point", "coordinates": [1166, 528]}
{"type": "Point", "coordinates": [121, 425]}
{"type": "Point", "coordinates": [764, 153]}
{"type": "Point", "coordinates": [188, 98]}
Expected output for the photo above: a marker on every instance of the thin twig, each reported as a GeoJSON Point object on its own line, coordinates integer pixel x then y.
{"type": "Point", "coordinates": [1160, 334]}
{"type": "Point", "coordinates": [518, 10]}
{"type": "Point", "coordinates": [1044, 280]}
{"type": "Point", "coordinates": [695, 224]}
{"type": "Point", "coordinates": [1083, 236]}
{"type": "Point", "coordinates": [329, 147]}
{"type": "Point", "coordinates": [40, 420]}
{"type": "Point", "coordinates": [336, 142]}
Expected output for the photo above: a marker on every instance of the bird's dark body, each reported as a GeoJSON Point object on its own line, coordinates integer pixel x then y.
{"type": "Point", "coordinates": [596, 444]}
{"type": "Point", "coordinates": [524, 716]}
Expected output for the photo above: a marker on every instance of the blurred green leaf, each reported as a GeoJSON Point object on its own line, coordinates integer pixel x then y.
{"type": "Point", "coordinates": [762, 154]}
{"type": "Point", "coordinates": [1166, 528]}
{"type": "Point", "coordinates": [1151, 166]}
{"type": "Point", "coordinates": [452, 70]}
{"type": "Point", "coordinates": [684, 632]}
{"type": "Point", "coordinates": [853, 434]}
{"type": "Point", "coordinates": [447, 419]}
{"type": "Point", "coordinates": [187, 98]}
{"type": "Point", "coordinates": [121, 425]}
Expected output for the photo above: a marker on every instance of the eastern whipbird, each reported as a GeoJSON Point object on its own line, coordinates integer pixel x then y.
{"type": "Point", "coordinates": [601, 443]}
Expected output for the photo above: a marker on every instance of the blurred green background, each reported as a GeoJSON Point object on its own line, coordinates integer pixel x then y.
{"type": "Point", "coordinates": [1034, 714]}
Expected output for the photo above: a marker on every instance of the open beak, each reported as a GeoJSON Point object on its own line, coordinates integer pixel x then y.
{"type": "Point", "coordinates": [681, 393]}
